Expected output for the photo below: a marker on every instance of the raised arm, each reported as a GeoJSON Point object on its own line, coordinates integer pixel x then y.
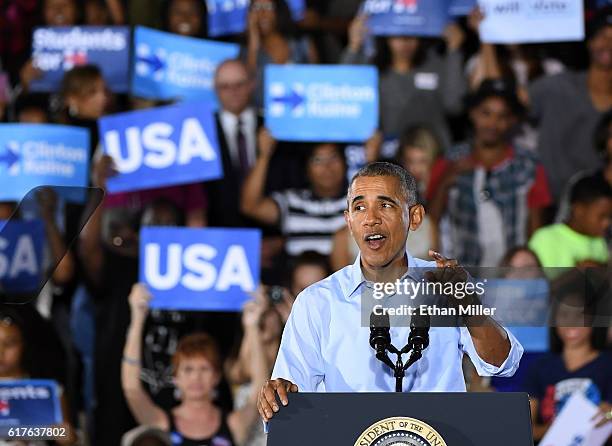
{"type": "Point", "coordinates": [254, 203]}
{"type": "Point", "coordinates": [62, 258]}
{"type": "Point", "coordinates": [90, 246]}
{"type": "Point", "coordinates": [454, 84]}
{"type": "Point", "coordinates": [139, 401]}
{"type": "Point", "coordinates": [487, 65]}
{"type": "Point", "coordinates": [241, 421]}
{"type": "Point", "coordinates": [353, 54]}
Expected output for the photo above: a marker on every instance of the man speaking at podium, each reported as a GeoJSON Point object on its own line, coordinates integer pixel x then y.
{"type": "Point", "coordinates": [325, 346]}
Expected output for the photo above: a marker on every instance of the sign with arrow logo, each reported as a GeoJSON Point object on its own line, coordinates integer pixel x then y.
{"type": "Point", "coordinates": [167, 66]}
{"type": "Point", "coordinates": [407, 17]}
{"type": "Point", "coordinates": [321, 102]}
{"type": "Point", "coordinates": [56, 50]}
{"type": "Point", "coordinates": [34, 155]}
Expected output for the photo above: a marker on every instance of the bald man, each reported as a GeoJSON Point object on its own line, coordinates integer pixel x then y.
{"type": "Point", "coordinates": [237, 126]}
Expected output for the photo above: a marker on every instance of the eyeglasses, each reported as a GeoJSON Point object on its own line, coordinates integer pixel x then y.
{"type": "Point", "coordinates": [6, 321]}
{"type": "Point", "coordinates": [319, 160]}
{"type": "Point", "coordinates": [263, 7]}
{"type": "Point", "coordinates": [228, 86]}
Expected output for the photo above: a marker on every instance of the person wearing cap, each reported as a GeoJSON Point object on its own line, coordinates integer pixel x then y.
{"type": "Point", "coordinates": [487, 195]}
{"type": "Point", "coordinates": [569, 105]}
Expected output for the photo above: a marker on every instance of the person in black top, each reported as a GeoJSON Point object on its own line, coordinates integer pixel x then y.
{"type": "Point", "coordinates": [197, 366]}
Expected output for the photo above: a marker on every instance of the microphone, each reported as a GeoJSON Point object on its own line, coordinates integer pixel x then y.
{"type": "Point", "coordinates": [418, 338]}
{"type": "Point", "coordinates": [380, 332]}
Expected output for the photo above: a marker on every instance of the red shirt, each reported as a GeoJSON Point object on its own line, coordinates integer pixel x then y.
{"type": "Point", "coordinates": [538, 196]}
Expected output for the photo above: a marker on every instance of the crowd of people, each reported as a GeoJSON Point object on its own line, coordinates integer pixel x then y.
{"type": "Point", "coordinates": [510, 145]}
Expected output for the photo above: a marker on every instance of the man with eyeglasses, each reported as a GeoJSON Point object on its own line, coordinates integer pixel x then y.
{"type": "Point", "coordinates": [309, 217]}
{"type": "Point", "coordinates": [237, 125]}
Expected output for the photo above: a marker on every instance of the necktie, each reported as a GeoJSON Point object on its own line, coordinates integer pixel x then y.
{"type": "Point", "coordinates": [241, 145]}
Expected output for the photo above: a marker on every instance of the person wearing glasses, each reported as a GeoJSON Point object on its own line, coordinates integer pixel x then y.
{"type": "Point", "coordinates": [307, 217]}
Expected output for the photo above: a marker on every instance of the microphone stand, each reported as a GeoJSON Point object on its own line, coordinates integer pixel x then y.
{"type": "Point", "coordinates": [399, 368]}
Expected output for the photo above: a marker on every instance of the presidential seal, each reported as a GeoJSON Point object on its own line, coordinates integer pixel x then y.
{"type": "Point", "coordinates": [400, 431]}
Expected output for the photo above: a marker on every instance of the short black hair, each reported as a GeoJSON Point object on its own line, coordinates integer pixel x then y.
{"type": "Point", "coordinates": [311, 149]}
{"type": "Point", "coordinates": [382, 56]}
{"type": "Point", "coordinates": [310, 258]}
{"type": "Point", "coordinates": [284, 21]}
{"type": "Point", "coordinates": [583, 291]}
{"type": "Point", "coordinates": [408, 185]}
{"type": "Point", "coordinates": [31, 101]}
{"type": "Point", "coordinates": [590, 189]}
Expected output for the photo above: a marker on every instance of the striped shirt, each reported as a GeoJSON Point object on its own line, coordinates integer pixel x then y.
{"type": "Point", "coordinates": [309, 222]}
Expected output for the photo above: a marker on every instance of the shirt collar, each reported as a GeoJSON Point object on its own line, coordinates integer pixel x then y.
{"type": "Point", "coordinates": [247, 117]}
{"type": "Point", "coordinates": [356, 278]}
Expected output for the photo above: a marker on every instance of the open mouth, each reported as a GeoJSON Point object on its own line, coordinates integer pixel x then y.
{"type": "Point", "coordinates": [375, 240]}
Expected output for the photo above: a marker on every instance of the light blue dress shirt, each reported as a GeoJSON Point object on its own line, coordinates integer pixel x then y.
{"type": "Point", "coordinates": [325, 348]}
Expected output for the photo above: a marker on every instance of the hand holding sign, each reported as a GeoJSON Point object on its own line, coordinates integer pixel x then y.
{"type": "Point", "coordinates": [357, 33]}
{"type": "Point", "coordinates": [103, 169]}
{"type": "Point", "coordinates": [139, 301]}
{"type": "Point", "coordinates": [251, 313]}
{"type": "Point", "coordinates": [29, 73]}
{"type": "Point", "coordinates": [266, 143]}
{"type": "Point", "coordinates": [453, 36]}
{"type": "Point", "coordinates": [162, 146]}
{"type": "Point", "coordinates": [604, 415]}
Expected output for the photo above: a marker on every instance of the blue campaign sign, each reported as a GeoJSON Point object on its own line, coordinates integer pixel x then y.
{"type": "Point", "coordinates": [356, 154]}
{"type": "Point", "coordinates": [210, 269]}
{"type": "Point", "coordinates": [34, 155]}
{"type": "Point", "coordinates": [461, 7]}
{"type": "Point", "coordinates": [321, 102]}
{"type": "Point", "coordinates": [533, 339]}
{"type": "Point", "coordinates": [519, 302]}
{"type": "Point", "coordinates": [167, 66]}
{"type": "Point", "coordinates": [56, 50]}
{"type": "Point", "coordinates": [407, 17]}
{"type": "Point", "coordinates": [28, 403]}
{"type": "Point", "coordinates": [508, 21]}
{"type": "Point", "coordinates": [162, 146]}
{"type": "Point", "coordinates": [21, 255]}
{"type": "Point", "coordinates": [230, 16]}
